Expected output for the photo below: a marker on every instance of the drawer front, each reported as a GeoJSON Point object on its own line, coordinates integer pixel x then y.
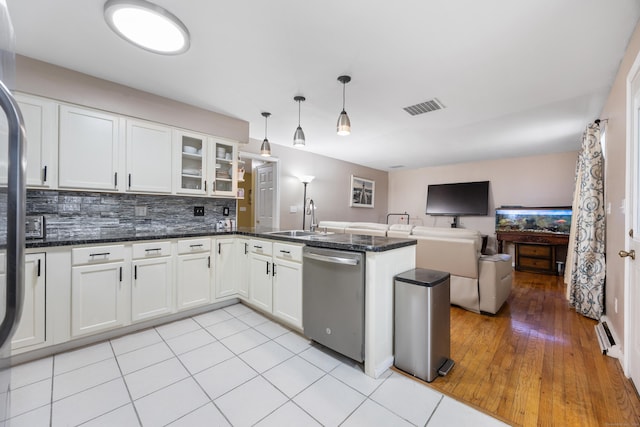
{"type": "Point", "coordinates": [536, 263]}
{"type": "Point", "coordinates": [193, 246]}
{"type": "Point", "coordinates": [288, 252]}
{"type": "Point", "coordinates": [97, 254]}
{"type": "Point", "coordinates": [151, 249]}
{"type": "Point", "coordinates": [264, 247]}
{"type": "Point", "coordinates": [534, 250]}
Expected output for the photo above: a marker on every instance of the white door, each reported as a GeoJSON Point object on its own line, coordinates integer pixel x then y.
{"type": "Point", "coordinates": [632, 221]}
{"type": "Point", "coordinates": [97, 298]}
{"type": "Point", "coordinates": [287, 292]}
{"type": "Point", "coordinates": [265, 205]}
{"type": "Point", "coordinates": [151, 288]}
{"type": "Point", "coordinates": [260, 281]}
{"type": "Point", "coordinates": [148, 157]}
{"type": "Point", "coordinates": [194, 280]}
{"type": "Point", "coordinates": [89, 143]}
{"type": "Point", "coordinates": [225, 267]}
{"type": "Point", "coordinates": [31, 327]}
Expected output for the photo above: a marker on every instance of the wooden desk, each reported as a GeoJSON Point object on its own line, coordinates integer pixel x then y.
{"type": "Point", "coordinates": [537, 252]}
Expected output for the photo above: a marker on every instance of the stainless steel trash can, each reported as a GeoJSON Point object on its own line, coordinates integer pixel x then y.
{"type": "Point", "coordinates": [422, 335]}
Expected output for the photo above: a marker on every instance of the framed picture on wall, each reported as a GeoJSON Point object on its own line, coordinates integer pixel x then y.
{"type": "Point", "coordinates": [362, 192]}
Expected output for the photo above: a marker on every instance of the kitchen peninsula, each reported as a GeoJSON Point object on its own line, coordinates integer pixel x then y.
{"type": "Point", "coordinates": [73, 317]}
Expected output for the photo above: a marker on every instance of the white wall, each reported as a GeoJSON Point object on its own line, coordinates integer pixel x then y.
{"type": "Point", "coordinates": [615, 184]}
{"type": "Point", "coordinates": [545, 180]}
{"type": "Point", "coordinates": [330, 190]}
{"type": "Point", "coordinates": [48, 80]}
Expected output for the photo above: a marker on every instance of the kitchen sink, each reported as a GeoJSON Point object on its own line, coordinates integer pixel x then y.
{"type": "Point", "coordinates": [293, 233]}
{"type": "Point", "coordinates": [298, 233]}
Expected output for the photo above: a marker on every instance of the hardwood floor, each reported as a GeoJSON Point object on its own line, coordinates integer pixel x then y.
{"type": "Point", "coordinates": [537, 362]}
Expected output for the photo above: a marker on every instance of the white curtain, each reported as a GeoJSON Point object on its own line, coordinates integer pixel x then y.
{"type": "Point", "coordinates": [585, 272]}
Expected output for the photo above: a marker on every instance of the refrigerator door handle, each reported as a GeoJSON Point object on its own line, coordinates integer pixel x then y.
{"type": "Point", "coordinates": [16, 206]}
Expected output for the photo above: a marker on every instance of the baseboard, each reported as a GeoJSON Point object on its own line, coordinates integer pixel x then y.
{"type": "Point", "coordinates": [614, 351]}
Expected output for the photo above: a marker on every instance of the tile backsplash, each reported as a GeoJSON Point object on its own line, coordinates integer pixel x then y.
{"type": "Point", "coordinates": [71, 214]}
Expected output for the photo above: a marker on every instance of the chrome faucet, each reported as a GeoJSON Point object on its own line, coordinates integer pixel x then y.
{"type": "Point", "coordinates": [311, 210]}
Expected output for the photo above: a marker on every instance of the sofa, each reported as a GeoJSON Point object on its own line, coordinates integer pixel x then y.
{"type": "Point", "coordinates": [479, 283]}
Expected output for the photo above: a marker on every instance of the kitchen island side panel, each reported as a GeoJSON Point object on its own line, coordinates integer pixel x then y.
{"type": "Point", "coordinates": [381, 268]}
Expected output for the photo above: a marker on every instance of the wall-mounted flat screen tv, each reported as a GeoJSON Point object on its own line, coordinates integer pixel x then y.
{"type": "Point", "coordinates": [458, 199]}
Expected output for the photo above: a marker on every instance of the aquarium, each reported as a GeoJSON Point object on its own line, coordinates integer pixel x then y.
{"type": "Point", "coordinates": [548, 220]}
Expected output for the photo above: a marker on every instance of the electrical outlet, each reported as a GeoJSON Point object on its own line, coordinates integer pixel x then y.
{"type": "Point", "coordinates": [198, 211]}
{"type": "Point", "coordinates": [225, 211]}
{"type": "Point", "coordinates": [141, 211]}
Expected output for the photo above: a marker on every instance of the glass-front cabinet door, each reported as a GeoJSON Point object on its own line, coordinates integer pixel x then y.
{"type": "Point", "coordinates": [224, 176]}
{"type": "Point", "coordinates": [192, 163]}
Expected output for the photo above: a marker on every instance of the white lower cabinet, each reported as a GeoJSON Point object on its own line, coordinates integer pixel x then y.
{"type": "Point", "coordinates": [152, 282]}
{"type": "Point", "coordinates": [225, 266]}
{"type": "Point", "coordinates": [287, 283]}
{"type": "Point", "coordinates": [260, 274]}
{"type": "Point", "coordinates": [194, 273]}
{"type": "Point", "coordinates": [98, 289]}
{"type": "Point", "coordinates": [31, 327]}
{"type": "Point", "coordinates": [275, 283]}
{"type": "Point", "coordinates": [242, 267]}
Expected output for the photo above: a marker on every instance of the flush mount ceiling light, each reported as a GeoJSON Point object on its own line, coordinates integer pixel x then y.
{"type": "Point", "coordinates": [147, 25]}
{"type": "Point", "coordinates": [265, 148]}
{"type": "Point", "coordinates": [344, 124]}
{"type": "Point", "coordinates": [298, 137]}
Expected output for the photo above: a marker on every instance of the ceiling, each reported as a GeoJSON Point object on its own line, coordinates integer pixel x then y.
{"type": "Point", "coordinates": [517, 78]}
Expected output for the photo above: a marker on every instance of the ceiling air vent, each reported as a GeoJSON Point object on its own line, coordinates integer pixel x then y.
{"type": "Point", "coordinates": [424, 107]}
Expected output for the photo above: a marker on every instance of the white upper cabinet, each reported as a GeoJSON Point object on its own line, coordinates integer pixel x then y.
{"type": "Point", "coordinates": [88, 149]}
{"type": "Point", "coordinates": [41, 122]}
{"type": "Point", "coordinates": [148, 157]}
{"type": "Point", "coordinates": [225, 169]}
{"type": "Point", "coordinates": [191, 163]}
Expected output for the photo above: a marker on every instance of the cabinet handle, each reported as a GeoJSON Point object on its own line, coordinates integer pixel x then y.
{"type": "Point", "coordinates": [285, 252]}
{"type": "Point", "coordinates": [268, 272]}
{"type": "Point", "coordinates": [209, 261]}
{"type": "Point", "coordinates": [246, 245]}
{"type": "Point", "coordinates": [44, 174]}
{"type": "Point", "coordinates": [129, 180]}
{"type": "Point", "coordinates": [153, 249]}
{"type": "Point", "coordinates": [257, 247]}
{"type": "Point", "coordinates": [205, 186]}
{"type": "Point", "coordinates": [38, 268]}
{"type": "Point", "coordinates": [135, 272]}
{"type": "Point", "coordinates": [121, 274]}
{"type": "Point", "coordinates": [199, 245]}
{"type": "Point", "coordinates": [219, 248]}
{"type": "Point", "coordinates": [115, 178]}
{"type": "Point", "coordinates": [273, 270]}
{"type": "Point", "coordinates": [100, 254]}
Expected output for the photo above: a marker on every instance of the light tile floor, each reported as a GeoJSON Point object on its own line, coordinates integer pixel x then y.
{"type": "Point", "coordinates": [231, 366]}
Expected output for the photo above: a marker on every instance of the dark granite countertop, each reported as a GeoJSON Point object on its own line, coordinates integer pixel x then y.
{"type": "Point", "coordinates": [348, 242]}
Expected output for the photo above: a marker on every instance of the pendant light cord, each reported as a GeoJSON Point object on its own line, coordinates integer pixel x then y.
{"type": "Point", "coordinates": [299, 113]}
{"type": "Point", "coordinates": [265, 126]}
{"type": "Point", "coordinates": [343, 88]}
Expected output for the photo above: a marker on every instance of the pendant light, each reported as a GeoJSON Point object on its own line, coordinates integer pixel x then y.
{"type": "Point", "coordinates": [344, 124]}
{"type": "Point", "coordinates": [298, 137]}
{"type": "Point", "coordinates": [265, 148]}
{"type": "Point", "coordinates": [147, 25]}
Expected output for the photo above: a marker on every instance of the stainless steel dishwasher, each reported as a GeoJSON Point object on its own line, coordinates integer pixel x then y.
{"type": "Point", "coordinates": [333, 299]}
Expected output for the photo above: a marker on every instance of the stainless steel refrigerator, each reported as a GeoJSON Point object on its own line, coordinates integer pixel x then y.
{"type": "Point", "coordinates": [12, 207]}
